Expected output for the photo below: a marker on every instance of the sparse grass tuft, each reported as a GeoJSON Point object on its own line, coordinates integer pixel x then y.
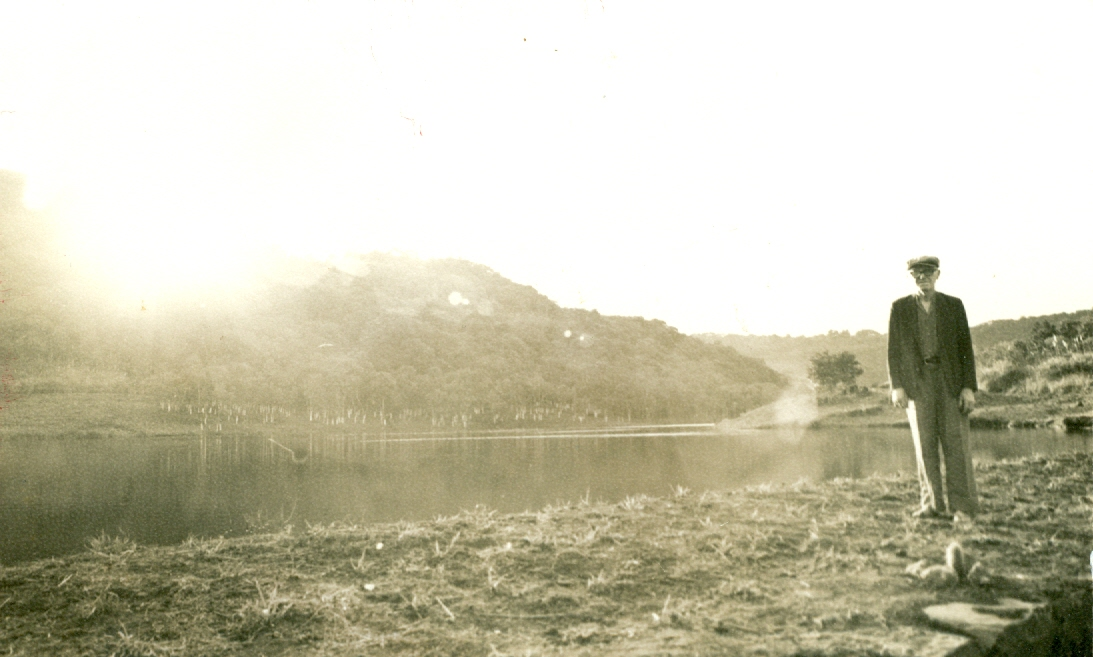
{"type": "Point", "coordinates": [259, 523]}
{"type": "Point", "coordinates": [111, 547]}
{"type": "Point", "coordinates": [129, 645]}
{"type": "Point", "coordinates": [635, 502]}
{"type": "Point", "coordinates": [264, 609]}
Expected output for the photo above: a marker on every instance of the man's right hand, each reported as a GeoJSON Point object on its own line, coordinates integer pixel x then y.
{"type": "Point", "coordinates": [899, 397]}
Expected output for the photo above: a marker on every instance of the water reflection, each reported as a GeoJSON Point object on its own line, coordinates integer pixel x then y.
{"type": "Point", "coordinates": [55, 494]}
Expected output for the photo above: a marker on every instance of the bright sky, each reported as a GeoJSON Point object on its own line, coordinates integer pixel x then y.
{"type": "Point", "coordinates": [762, 167]}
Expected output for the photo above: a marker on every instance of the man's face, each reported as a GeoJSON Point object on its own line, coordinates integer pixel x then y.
{"type": "Point", "coordinates": [925, 277]}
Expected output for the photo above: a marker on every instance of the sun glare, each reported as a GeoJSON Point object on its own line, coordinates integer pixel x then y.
{"type": "Point", "coordinates": [141, 268]}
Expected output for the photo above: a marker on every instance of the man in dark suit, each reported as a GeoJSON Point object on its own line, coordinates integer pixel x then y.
{"type": "Point", "coordinates": [931, 367]}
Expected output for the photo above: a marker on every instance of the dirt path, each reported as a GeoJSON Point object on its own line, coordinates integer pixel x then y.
{"type": "Point", "coordinates": [797, 406]}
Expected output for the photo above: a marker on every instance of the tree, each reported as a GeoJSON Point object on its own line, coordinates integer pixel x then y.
{"type": "Point", "coordinates": [830, 370]}
{"type": "Point", "coordinates": [1046, 334]}
{"type": "Point", "coordinates": [1074, 332]}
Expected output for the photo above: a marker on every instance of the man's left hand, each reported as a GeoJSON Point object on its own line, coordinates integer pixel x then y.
{"type": "Point", "coordinates": [967, 401]}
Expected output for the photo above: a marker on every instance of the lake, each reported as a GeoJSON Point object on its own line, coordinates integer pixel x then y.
{"type": "Point", "coordinates": [56, 494]}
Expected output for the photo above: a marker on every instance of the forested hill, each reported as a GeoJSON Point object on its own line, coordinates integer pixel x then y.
{"type": "Point", "coordinates": [449, 336]}
{"type": "Point", "coordinates": [396, 335]}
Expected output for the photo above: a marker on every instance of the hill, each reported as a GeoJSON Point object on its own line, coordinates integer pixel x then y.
{"type": "Point", "coordinates": [997, 331]}
{"type": "Point", "coordinates": [383, 337]}
{"type": "Point", "coordinates": [448, 341]}
{"type": "Point", "coordinates": [790, 355]}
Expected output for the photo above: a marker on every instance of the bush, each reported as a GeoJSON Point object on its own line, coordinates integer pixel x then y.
{"type": "Point", "coordinates": [1057, 368]}
{"type": "Point", "coordinates": [834, 370]}
{"type": "Point", "coordinates": [1074, 383]}
{"type": "Point", "coordinates": [1010, 378]}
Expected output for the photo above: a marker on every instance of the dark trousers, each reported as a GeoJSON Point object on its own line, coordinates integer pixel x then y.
{"type": "Point", "coordinates": [940, 431]}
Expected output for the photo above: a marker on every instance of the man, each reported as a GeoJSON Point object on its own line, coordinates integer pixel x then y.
{"type": "Point", "coordinates": [932, 371]}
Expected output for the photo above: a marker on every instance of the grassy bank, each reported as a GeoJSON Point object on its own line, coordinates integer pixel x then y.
{"type": "Point", "coordinates": [804, 569]}
{"type": "Point", "coordinates": [91, 415]}
{"type": "Point", "coordinates": [993, 410]}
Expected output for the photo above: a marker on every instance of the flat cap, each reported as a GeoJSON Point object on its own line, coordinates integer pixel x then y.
{"type": "Point", "coordinates": [924, 261]}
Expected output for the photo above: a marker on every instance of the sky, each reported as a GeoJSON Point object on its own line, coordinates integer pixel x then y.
{"type": "Point", "coordinates": [727, 167]}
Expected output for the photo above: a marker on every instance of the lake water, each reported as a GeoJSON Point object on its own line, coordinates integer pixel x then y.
{"type": "Point", "coordinates": [55, 494]}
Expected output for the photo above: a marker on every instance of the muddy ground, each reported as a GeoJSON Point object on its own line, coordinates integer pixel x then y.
{"type": "Point", "coordinates": [809, 569]}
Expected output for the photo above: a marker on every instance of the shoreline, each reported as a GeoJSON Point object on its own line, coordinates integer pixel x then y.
{"type": "Point", "coordinates": [994, 412]}
{"type": "Point", "coordinates": [778, 570]}
{"type": "Point", "coordinates": [97, 414]}
{"type": "Point", "coordinates": [877, 417]}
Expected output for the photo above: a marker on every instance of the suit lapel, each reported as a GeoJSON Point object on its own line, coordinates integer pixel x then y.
{"type": "Point", "coordinates": [911, 315]}
{"type": "Point", "coordinates": [943, 332]}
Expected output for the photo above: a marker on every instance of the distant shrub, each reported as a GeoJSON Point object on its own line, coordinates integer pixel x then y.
{"type": "Point", "coordinates": [1008, 379]}
{"type": "Point", "coordinates": [852, 395]}
{"type": "Point", "coordinates": [835, 370]}
{"type": "Point", "coordinates": [1071, 384]}
{"type": "Point", "coordinates": [1059, 367]}
{"type": "Point", "coordinates": [865, 412]}
{"type": "Point", "coordinates": [993, 355]}
{"type": "Point", "coordinates": [1010, 368]}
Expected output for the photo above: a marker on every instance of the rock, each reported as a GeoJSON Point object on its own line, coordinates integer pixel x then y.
{"type": "Point", "coordinates": [962, 520]}
{"type": "Point", "coordinates": [830, 620]}
{"type": "Point", "coordinates": [915, 569]}
{"type": "Point", "coordinates": [1028, 424]}
{"type": "Point", "coordinates": [979, 574]}
{"type": "Point", "coordinates": [939, 575]}
{"type": "Point", "coordinates": [988, 423]}
{"type": "Point", "coordinates": [1078, 423]}
{"type": "Point", "coordinates": [984, 623]}
{"type": "Point", "coordinates": [902, 641]}
{"type": "Point", "coordinates": [955, 556]}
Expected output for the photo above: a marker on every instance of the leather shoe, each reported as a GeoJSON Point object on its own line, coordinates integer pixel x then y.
{"type": "Point", "coordinates": [933, 514]}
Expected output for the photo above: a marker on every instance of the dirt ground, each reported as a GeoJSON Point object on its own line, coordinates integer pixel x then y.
{"type": "Point", "coordinates": [809, 569]}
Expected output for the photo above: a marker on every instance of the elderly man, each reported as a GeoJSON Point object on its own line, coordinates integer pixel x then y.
{"type": "Point", "coordinates": [932, 371]}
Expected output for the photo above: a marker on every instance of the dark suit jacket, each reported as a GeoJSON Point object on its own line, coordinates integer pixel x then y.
{"type": "Point", "coordinates": [954, 346]}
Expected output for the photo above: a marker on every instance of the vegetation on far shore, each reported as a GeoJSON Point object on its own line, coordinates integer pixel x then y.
{"type": "Point", "coordinates": [1053, 359]}
{"type": "Point", "coordinates": [1039, 380]}
{"type": "Point", "coordinates": [802, 569]}
{"type": "Point", "coordinates": [1018, 341]}
{"type": "Point", "coordinates": [394, 338]}
{"type": "Point", "coordinates": [872, 407]}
